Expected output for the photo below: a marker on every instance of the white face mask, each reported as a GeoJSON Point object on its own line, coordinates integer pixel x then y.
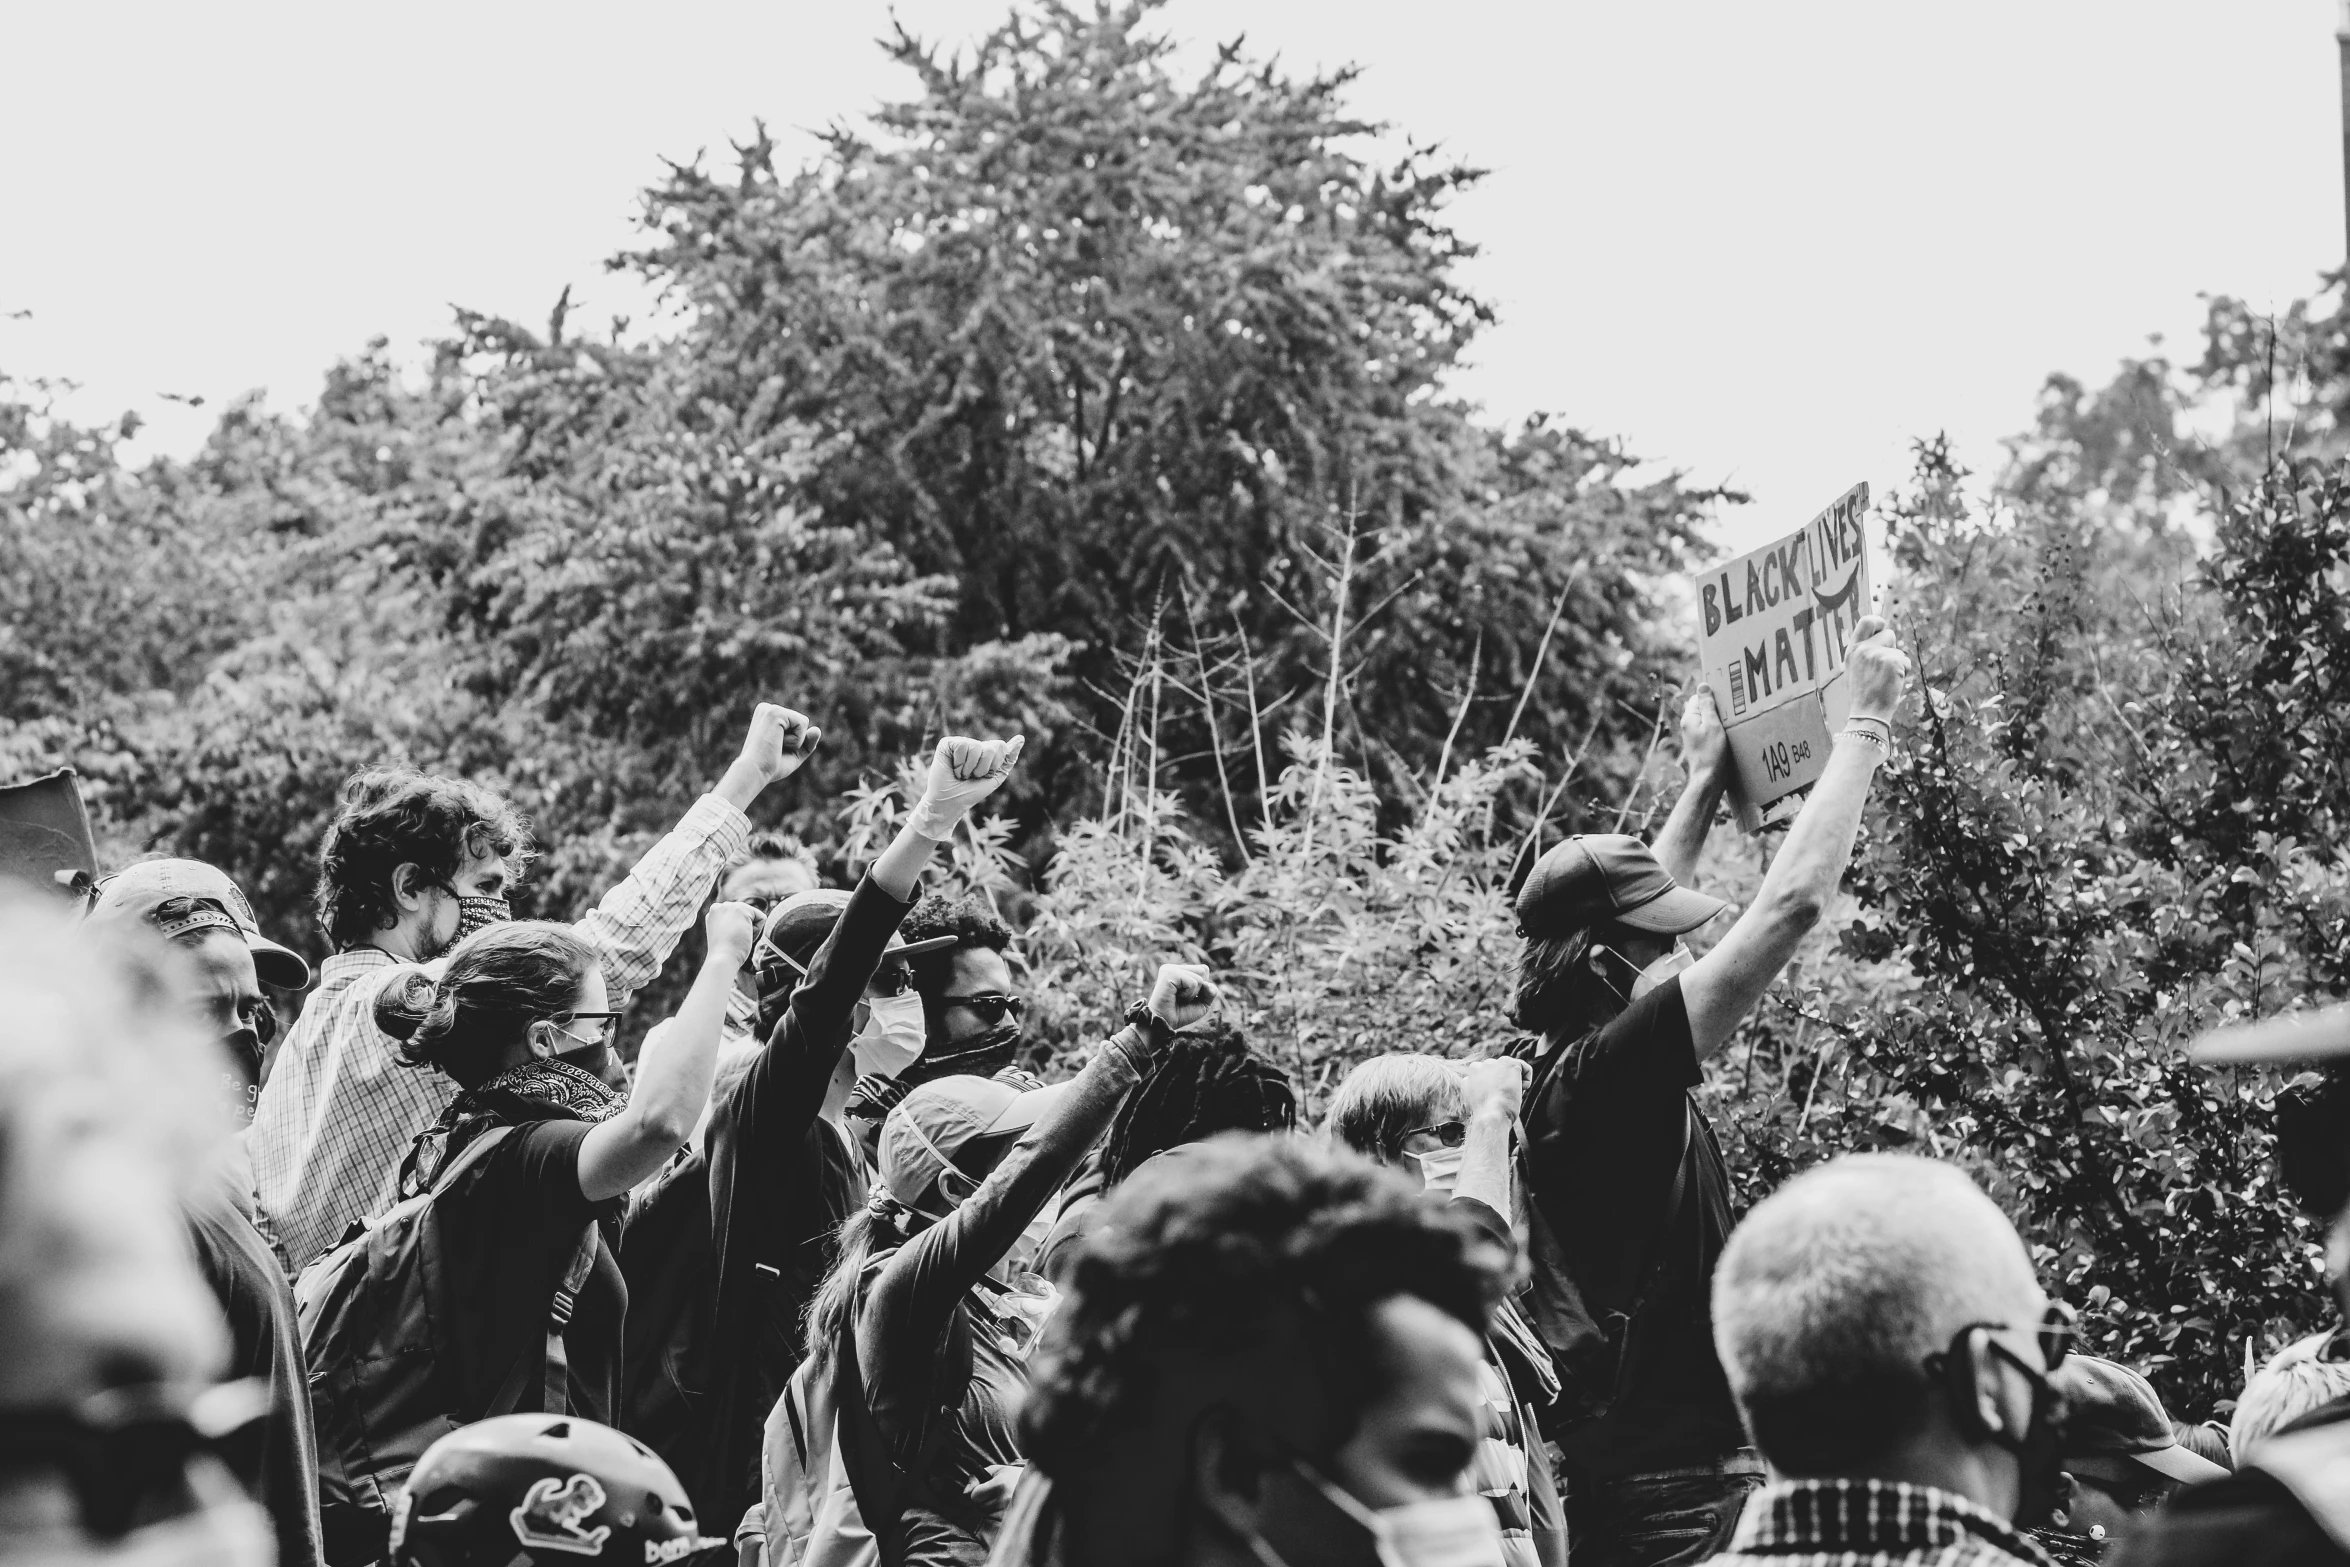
{"type": "Point", "coordinates": [892, 1037]}
{"type": "Point", "coordinates": [1440, 1168]}
{"type": "Point", "coordinates": [1454, 1531]}
{"type": "Point", "coordinates": [1664, 968]}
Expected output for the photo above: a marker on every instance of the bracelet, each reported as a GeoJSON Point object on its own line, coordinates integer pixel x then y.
{"type": "Point", "coordinates": [1856, 730]}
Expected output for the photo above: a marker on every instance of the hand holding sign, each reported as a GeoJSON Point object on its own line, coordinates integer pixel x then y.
{"type": "Point", "coordinates": [1705, 744]}
{"type": "Point", "coordinates": [1778, 628]}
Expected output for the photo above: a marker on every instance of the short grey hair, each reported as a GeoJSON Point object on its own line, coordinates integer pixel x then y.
{"type": "Point", "coordinates": [1835, 1291]}
{"type": "Point", "coordinates": [1387, 1096]}
{"type": "Point", "coordinates": [2296, 1381]}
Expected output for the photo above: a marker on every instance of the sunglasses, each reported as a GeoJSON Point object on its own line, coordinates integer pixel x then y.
{"type": "Point", "coordinates": [991, 1008]}
{"type": "Point", "coordinates": [2058, 1329]}
{"type": "Point", "coordinates": [125, 1452]}
{"type": "Point", "coordinates": [1451, 1134]}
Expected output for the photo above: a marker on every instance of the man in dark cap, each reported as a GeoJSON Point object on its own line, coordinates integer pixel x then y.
{"type": "Point", "coordinates": [2120, 1459]}
{"type": "Point", "coordinates": [1630, 1202]}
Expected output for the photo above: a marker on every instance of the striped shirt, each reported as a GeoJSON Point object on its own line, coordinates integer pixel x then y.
{"type": "Point", "coordinates": [340, 1109]}
{"type": "Point", "coordinates": [1871, 1523]}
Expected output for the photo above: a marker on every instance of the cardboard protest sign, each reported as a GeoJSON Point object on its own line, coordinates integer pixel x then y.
{"type": "Point", "coordinates": [45, 834]}
{"type": "Point", "coordinates": [1774, 626]}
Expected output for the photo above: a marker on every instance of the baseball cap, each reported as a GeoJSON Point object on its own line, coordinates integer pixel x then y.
{"type": "Point", "coordinates": [1608, 879]}
{"type": "Point", "coordinates": [937, 1121]}
{"type": "Point", "coordinates": [179, 896]}
{"type": "Point", "coordinates": [2115, 1410]}
{"type": "Point", "coordinates": [797, 926]}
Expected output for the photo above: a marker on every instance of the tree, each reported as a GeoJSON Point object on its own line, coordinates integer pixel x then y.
{"type": "Point", "coordinates": [1099, 344]}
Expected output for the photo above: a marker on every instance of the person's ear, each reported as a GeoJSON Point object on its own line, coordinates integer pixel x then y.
{"type": "Point", "coordinates": [1988, 1391]}
{"type": "Point", "coordinates": [540, 1036]}
{"type": "Point", "coordinates": [410, 886]}
{"type": "Point", "coordinates": [1227, 1481]}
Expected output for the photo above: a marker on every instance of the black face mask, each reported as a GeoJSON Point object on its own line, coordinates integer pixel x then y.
{"type": "Point", "coordinates": [2039, 1453]}
{"type": "Point", "coordinates": [982, 1055]}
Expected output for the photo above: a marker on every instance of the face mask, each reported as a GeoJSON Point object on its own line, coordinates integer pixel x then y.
{"type": "Point", "coordinates": [2039, 1457]}
{"type": "Point", "coordinates": [981, 1056]}
{"type": "Point", "coordinates": [892, 1036]}
{"type": "Point", "coordinates": [480, 914]}
{"type": "Point", "coordinates": [1664, 968]}
{"type": "Point", "coordinates": [1456, 1531]}
{"type": "Point", "coordinates": [1440, 1168]}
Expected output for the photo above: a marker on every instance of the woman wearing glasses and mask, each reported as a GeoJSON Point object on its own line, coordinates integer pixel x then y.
{"type": "Point", "coordinates": [724, 1251]}
{"type": "Point", "coordinates": [539, 1211]}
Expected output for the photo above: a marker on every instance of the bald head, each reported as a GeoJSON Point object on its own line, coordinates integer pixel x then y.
{"type": "Point", "coordinates": [1835, 1290]}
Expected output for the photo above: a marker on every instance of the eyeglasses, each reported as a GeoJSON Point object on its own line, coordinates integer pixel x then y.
{"type": "Point", "coordinates": [600, 1028]}
{"type": "Point", "coordinates": [1449, 1134]}
{"type": "Point", "coordinates": [990, 1008]}
{"type": "Point", "coordinates": [127, 1449]}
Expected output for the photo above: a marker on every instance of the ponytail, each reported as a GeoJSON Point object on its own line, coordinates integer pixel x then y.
{"type": "Point", "coordinates": [883, 1223]}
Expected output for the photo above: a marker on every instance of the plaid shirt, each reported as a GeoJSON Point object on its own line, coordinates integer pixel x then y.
{"type": "Point", "coordinates": [339, 1111]}
{"type": "Point", "coordinates": [1871, 1523]}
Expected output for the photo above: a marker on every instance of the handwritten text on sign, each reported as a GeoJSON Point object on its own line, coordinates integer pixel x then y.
{"type": "Point", "coordinates": [1774, 627]}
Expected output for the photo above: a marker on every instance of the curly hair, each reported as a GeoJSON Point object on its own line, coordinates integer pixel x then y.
{"type": "Point", "coordinates": [1212, 1253]}
{"type": "Point", "coordinates": [499, 982]}
{"type": "Point", "coordinates": [969, 919]}
{"type": "Point", "coordinates": [1204, 1084]}
{"type": "Point", "coordinates": [394, 816]}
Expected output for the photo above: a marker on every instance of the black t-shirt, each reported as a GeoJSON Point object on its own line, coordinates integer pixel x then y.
{"type": "Point", "coordinates": [511, 1228]}
{"type": "Point", "coordinates": [1609, 1127]}
{"type": "Point", "coordinates": [266, 1345]}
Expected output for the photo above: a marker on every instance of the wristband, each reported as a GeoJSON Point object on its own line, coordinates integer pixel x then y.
{"type": "Point", "coordinates": [1151, 1031]}
{"type": "Point", "coordinates": [1855, 730]}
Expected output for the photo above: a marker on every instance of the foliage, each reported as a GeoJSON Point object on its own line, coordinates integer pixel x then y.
{"type": "Point", "coordinates": [1096, 341]}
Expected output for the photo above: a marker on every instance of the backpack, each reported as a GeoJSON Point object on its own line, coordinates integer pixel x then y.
{"type": "Point", "coordinates": [374, 1313]}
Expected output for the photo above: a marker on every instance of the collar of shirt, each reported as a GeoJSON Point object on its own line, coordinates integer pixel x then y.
{"type": "Point", "coordinates": [352, 960]}
{"type": "Point", "coordinates": [1865, 1518]}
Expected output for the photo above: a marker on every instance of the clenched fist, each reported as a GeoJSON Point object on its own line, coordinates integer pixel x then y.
{"type": "Point", "coordinates": [963, 772]}
{"type": "Point", "coordinates": [780, 740]}
{"type": "Point", "coordinates": [1877, 669]}
{"type": "Point", "coordinates": [1182, 995]}
{"type": "Point", "coordinates": [731, 928]}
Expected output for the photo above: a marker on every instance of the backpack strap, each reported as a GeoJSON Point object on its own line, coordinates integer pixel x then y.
{"type": "Point", "coordinates": [882, 1486]}
{"type": "Point", "coordinates": [1643, 1264]}
{"type": "Point", "coordinates": [554, 1362]}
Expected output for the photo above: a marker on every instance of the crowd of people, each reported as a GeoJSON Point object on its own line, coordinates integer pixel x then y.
{"type": "Point", "coordinates": [826, 1277]}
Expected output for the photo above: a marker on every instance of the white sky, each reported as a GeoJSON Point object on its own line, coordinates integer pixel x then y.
{"type": "Point", "coordinates": [1764, 243]}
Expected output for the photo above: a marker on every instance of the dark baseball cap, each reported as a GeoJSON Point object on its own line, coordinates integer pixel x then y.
{"type": "Point", "coordinates": [2112, 1409]}
{"type": "Point", "coordinates": [1608, 879]}
{"type": "Point", "coordinates": [797, 926]}
{"type": "Point", "coordinates": [177, 897]}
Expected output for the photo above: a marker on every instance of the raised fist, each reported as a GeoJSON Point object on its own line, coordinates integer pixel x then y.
{"type": "Point", "coordinates": [779, 741]}
{"type": "Point", "coordinates": [1497, 1083]}
{"type": "Point", "coordinates": [963, 772]}
{"type": "Point", "coordinates": [732, 927]}
{"type": "Point", "coordinates": [1182, 995]}
{"type": "Point", "coordinates": [1877, 669]}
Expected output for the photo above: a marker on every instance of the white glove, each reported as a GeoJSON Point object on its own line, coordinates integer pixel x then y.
{"type": "Point", "coordinates": [962, 773]}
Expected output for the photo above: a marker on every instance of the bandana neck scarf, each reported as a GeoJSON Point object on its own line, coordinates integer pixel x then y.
{"type": "Point", "coordinates": [541, 1090]}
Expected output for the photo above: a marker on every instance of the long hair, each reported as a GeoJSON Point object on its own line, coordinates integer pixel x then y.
{"type": "Point", "coordinates": [499, 982]}
{"type": "Point", "coordinates": [1557, 994]}
{"type": "Point", "coordinates": [881, 1224]}
{"type": "Point", "coordinates": [1202, 1086]}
